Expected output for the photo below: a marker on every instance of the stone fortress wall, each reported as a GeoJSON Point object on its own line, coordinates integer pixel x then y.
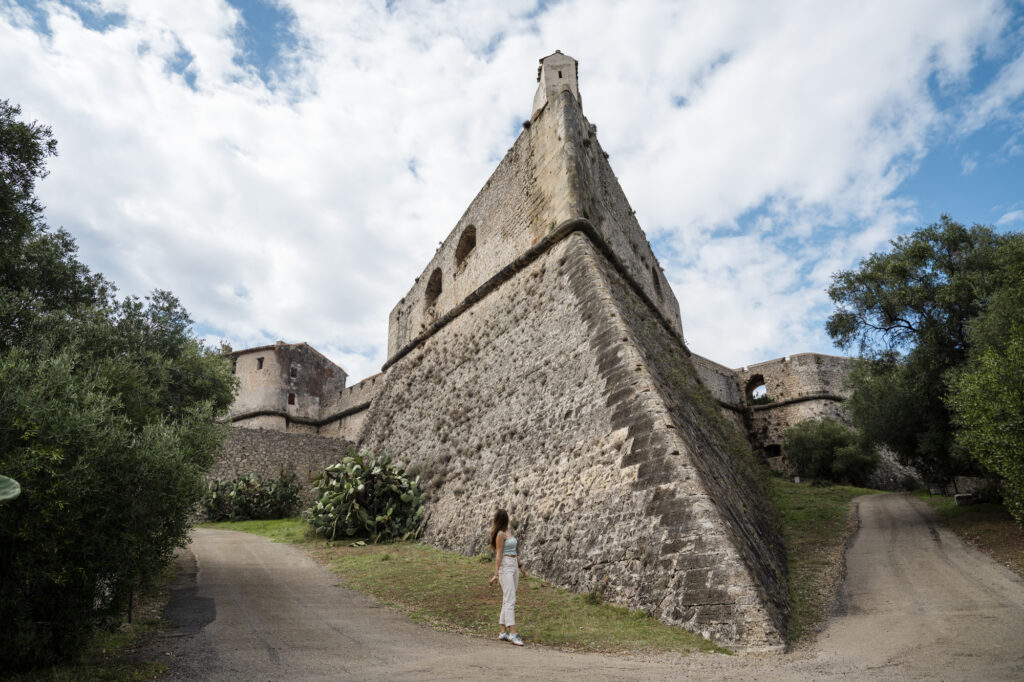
{"type": "Point", "coordinates": [538, 363]}
{"type": "Point", "coordinates": [267, 452]}
{"type": "Point", "coordinates": [284, 387]}
{"type": "Point", "coordinates": [799, 387]}
{"type": "Point", "coordinates": [547, 177]}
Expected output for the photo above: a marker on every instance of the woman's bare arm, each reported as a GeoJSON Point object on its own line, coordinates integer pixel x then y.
{"type": "Point", "coordinates": [499, 545]}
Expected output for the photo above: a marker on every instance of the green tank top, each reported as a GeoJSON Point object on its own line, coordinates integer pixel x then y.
{"type": "Point", "coordinates": [509, 548]}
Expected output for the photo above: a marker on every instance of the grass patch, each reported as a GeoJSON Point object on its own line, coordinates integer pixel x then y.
{"type": "Point", "coordinates": [987, 527]}
{"type": "Point", "coordinates": [450, 592]}
{"type": "Point", "coordinates": [816, 524]}
{"type": "Point", "coordinates": [293, 530]}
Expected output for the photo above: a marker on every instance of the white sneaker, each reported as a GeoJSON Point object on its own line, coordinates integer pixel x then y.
{"type": "Point", "coordinates": [516, 639]}
{"type": "Point", "coordinates": [503, 637]}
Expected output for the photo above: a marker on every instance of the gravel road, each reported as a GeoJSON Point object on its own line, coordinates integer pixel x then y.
{"type": "Point", "coordinates": [917, 604]}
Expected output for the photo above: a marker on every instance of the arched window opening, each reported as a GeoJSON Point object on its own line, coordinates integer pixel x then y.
{"type": "Point", "coordinates": [757, 391]}
{"type": "Point", "coordinates": [433, 288]}
{"type": "Point", "coordinates": [467, 242]}
{"type": "Point", "coordinates": [657, 281]}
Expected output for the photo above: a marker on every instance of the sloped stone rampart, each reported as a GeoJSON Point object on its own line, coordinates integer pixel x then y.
{"type": "Point", "coordinates": [537, 399]}
{"type": "Point", "coordinates": [266, 453]}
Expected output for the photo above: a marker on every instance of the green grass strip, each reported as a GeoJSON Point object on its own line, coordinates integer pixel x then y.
{"type": "Point", "coordinates": [291, 530]}
{"type": "Point", "coordinates": [450, 592]}
{"type": "Point", "coordinates": [816, 525]}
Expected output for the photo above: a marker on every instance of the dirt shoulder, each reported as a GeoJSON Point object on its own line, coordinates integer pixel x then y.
{"type": "Point", "coordinates": [988, 528]}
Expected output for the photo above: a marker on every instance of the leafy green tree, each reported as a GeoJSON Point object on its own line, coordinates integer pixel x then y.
{"type": "Point", "coordinates": [988, 407]}
{"type": "Point", "coordinates": [107, 419]}
{"type": "Point", "coordinates": [986, 396]}
{"type": "Point", "coordinates": [908, 312]}
{"type": "Point", "coordinates": [827, 450]}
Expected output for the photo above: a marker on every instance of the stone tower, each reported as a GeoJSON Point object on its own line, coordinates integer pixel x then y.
{"type": "Point", "coordinates": [538, 365]}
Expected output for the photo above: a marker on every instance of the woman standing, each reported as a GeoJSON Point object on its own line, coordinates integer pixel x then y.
{"type": "Point", "coordinates": [506, 570]}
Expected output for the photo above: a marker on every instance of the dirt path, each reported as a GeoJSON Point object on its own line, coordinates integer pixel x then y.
{"type": "Point", "coordinates": [917, 604]}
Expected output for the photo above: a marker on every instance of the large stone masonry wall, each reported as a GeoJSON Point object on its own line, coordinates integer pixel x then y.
{"type": "Point", "coordinates": [541, 183]}
{"type": "Point", "coordinates": [345, 416]}
{"type": "Point", "coordinates": [538, 399]}
{"type": "Point", "coordinates": [720, 380]}
{"type": "Point", "coordinates": [266, 453]}
{"type": "Point", "coordinates": [602, 202]}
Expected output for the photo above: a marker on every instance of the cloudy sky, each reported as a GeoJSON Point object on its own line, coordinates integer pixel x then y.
{"type": "Point", "coordinates": [287, 168]}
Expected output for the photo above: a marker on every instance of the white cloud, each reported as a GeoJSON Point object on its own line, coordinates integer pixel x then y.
{"type": "Point", "coordinates": [1011, 218]}
{"type": "Point", "coordinates": [290, 212]}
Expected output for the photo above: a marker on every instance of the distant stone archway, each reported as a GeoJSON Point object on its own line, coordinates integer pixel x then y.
{"type": "Point", "coordinates": [757, 390]}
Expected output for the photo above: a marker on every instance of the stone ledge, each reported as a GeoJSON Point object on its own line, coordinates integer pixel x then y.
{"type": "Point", "coordinates": [529, 256]}
{"type": "Point", "coordinates": [301, 420]}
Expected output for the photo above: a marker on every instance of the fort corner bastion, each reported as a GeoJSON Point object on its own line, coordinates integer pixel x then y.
{"type": "Point", "coordinates": [538, 364]}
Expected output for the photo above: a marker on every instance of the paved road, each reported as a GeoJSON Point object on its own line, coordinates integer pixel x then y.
{"type": "Point", "coordinates": [917, 604]}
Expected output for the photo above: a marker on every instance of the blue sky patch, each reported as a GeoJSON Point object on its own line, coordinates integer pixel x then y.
{"type": "Point", "coordinates": [179, 64]}
{"type": "Point", "coordinates": [266, 35]}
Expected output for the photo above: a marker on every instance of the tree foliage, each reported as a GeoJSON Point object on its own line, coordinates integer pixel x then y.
{"type": "Point", "coordinates": [986, 395]}
{"type": "Point", "coordinates": [908, 311]}
{"type": "Point", "coordinates": [107, 420]}
{"type": "Point", "coordinates": [827, 450]}
{"type": "Point", "coordinates": [988, 406]}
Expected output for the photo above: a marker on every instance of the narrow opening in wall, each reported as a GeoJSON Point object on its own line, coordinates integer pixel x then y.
{"type": "Point", "coordinates": [467, 242]}
{"type": "Point", "coordinates": [291, 398]}
{"type": "Point", "coordinates": [295, 372]}
{"type": "Point", "coordinates": [559, 74]}
{"type": "Point", "coordinates": [433, 288]}
{"type": "Point", "coordinates": [259, 363]}
{"type": "Point", "coordinates": [757, 391]}
{"type": "Point", "coordinates": [772, 451]}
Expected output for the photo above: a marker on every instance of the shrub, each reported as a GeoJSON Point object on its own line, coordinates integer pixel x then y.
{"type": "Point", "coordinates": [366, 496]}
{"type": "Point", "coordinates": [252, 497]}
{"type": "Point", "coordinates": [826, 450]}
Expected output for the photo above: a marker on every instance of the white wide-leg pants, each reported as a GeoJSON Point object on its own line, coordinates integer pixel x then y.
{"type": "Point", "coordinates": [508, 576]}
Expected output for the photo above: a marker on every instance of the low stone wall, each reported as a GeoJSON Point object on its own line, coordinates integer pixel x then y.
{"type": "Point", "coordinates": [266, 453]}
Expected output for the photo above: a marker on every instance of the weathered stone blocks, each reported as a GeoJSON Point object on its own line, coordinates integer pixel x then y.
{"type": "Point", "coordinates": [548, 398]}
